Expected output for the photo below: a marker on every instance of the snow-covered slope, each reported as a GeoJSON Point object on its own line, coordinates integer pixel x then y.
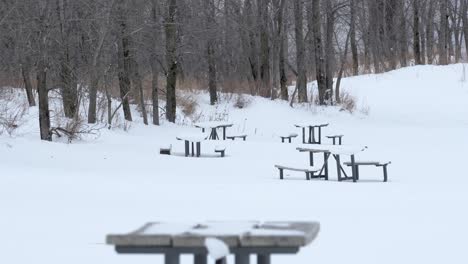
{"type": "Point", "coordinates": [58, 200]}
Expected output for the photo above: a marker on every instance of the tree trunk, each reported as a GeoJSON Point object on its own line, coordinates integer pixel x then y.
{"type": "Point", "coordinates": [155, 69]}
{"type": "Point", "coordinates": [416, 37]}
{"type": "Point", "coordinates": [136, 79]}
{"type": "Point", "coordinates": [265, 77]}
{"type": "Point", "coordinates": [465, 24]}
{"type": "Point", "coordinates": [93, 97]}
{"type": "Point", "coordinates": [443, 42]}
{"type": "Point", "coordinates": [44, 114]}
{"type": "Point", "coordinates": [171, 59]}
{"type": "Point", "coordinates": [430, 33]}
{"type": "Point", "coordinates": [26, 72]}
{"type": "Point", "coordinates": [402, 34]}
{"type": "Point", "coordinates": [317, 33]}
{"type": "Point", "coordinates": [124, 62]}
{"type": "Point", "coordinates": [282, 46]}
{"type": "Point", "coordinates": [301, 83]}
{"type": "Point", "coordinates": [340, 73]}
{"type": "Point", "coordinates": [68, 77]}
{"type": "Point", "coordinates": [210, 51]}
{"type": "Point", "coordinates": [354, 51]}
{"type": "Point", "coordinates": [329, 53]}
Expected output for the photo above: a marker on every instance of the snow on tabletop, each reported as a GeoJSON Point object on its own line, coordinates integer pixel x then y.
{"type": "Point", "coordinates": [334, 149]}
{"type": "Point", "coordinates": [311, 123]}
{"type": "Point", "coordinates": [167, 228]}
{"type": "Point", "coordinates": [212, 124]}
{"type": "Point", "coordinates": [193, 137]}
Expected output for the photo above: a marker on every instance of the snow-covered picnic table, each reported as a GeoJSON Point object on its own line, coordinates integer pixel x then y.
{"type": "Point", "coordinates": [239, 238]}
{"type": "Point", "coordinates": [214, 125]}
{"type": "Point", "coordinates": [192, 139]}
{"type": "Point", "coordinates": [312, 126]}
{"type": "Point", "coordinates": [336, 151]}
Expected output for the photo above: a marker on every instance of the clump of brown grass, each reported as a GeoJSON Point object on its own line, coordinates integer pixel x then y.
{"type": "Point", "coordinates": [347, 102]}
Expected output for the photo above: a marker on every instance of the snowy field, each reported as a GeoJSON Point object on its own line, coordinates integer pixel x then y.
{"type": "Point", "coordinates": [58, 201]}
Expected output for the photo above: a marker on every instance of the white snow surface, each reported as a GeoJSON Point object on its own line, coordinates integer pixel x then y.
{"type": "Point", "coordinates": [58, 201]}
{"type": "Point", "coordinates": [216, 248]}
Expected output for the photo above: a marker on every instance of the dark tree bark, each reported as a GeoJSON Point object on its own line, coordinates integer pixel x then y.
{"type": "Point", "coordinates": [403, 44]}
{"type": "Point", "coordinates": [354, 51]}
{"type": "Point", "coordinates": [416, 35]}
{"type": "Point", "coordinates": [430, 32]}
{"type": "Point", "coordinates": [329, 52]}
{"type": "Point", "coordinates": [210, 50]}
{"type": "Point", "coordinates": [26, 73]}
{"type": "Point", "coordinates": [154, 90]}
{"type": "Point", "coordinates": [171, 60]}
{"type": "Point", "coordinates": [282, 42]}
{"type": "Point", "coordinates": [265, 77]}
{"type": "Point", "coordinates": [154, 67]}
{"type": "Point", "coordinates": [301, 83]}
{"type": "Point", "coordinates": [443, 33]}
{"type": "Point", "coordinates": [465, 23]}
{"type": "Point", "coordinates": [136, 79]}
{"type": "Point", "coordinates": [43, 94]}
{"type": "Point", "coordinates": [124, 61]}
{"type": "Point", "coordinates": [319, 60]}
{"type": "Point", "coordinates": [67, 75]}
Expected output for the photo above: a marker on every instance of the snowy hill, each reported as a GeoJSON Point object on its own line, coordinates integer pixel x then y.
{"type": "Point", "coordinates": [59, 200]}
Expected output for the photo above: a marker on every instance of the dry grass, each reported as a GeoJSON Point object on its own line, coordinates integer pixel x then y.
{"type": "Point", "coordinates": [12, 111]}
{"type": "Point", "coordinates": [348, 102]}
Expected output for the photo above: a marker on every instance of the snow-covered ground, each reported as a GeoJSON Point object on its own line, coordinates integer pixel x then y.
{"type": "Point", "coordinates": [59, 200]}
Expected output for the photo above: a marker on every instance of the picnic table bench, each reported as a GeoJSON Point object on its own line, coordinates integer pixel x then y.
{"type": "Point", "coordinates": [370, 163]}
{"type": "Point", "coordinates": [289, 137]}
{"type": "Point", "coordinates": [240, 136]}
{"type": "Point", "coordinates": [310, 171]}
{"type": "Point", "coordinates": [336, 138]}
{"type": "Point", "coordinates": [311, 127]}
{"type": "Point", "coordinates": [214, 125]}
{"type": "Point", "coordinates": [242, 238]}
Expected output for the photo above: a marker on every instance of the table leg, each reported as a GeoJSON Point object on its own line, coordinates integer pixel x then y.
{"type": "Point", "coordinates": [198, 149]}
{"type": "Point", "coordinates": [340, 140]}
{"type": "Point", "coordinates": [338, 166]}
{"type": "Point", "coordinates": [311, 158]}
{"type": "Point", "coordinates": [187, 148]}
{"type": "Point", "coordinates": [320, 135]}
{"type": "Point", "coordinates": [333, 141]}
{"type": "Point", "coordinates": [193, 149]}
{"type": "Point", "coordinates": [242, 259]}
{"type": "Point", "coordinates": [353, 169]}
{"type": "Point", "coordinates": [263, 259]}
{"type": "Point", "coordinates": [221, 261]}
{"type": "Point", "coordinates": [171, 258]}
{"type": "Point", "coordinates": [224, 133]}
{"type": "Point", "coordinates": [325, 162]}
{"type": "Point", "coordinates": [200, 259]}
{"type": "Point", "coordinates": [203, 130]}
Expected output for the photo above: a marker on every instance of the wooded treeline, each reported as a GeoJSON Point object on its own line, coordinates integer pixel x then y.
{"type": "Point", "coordinates": [141, 50]}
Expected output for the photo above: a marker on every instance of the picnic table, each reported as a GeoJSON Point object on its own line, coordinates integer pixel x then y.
{"type": "Point", "coordinates": [214, 125]}
{"type": "Point", "coordinates": [336, 151]}
{"type": "Point", "coordinates": [311, 127]}
{"type": "Point", "coordinates": [192, 140]}
{"type": "Point", "coordinates": [242, 239]}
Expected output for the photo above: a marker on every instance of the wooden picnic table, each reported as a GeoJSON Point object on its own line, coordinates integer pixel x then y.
{"type": "Point", "coordinates": [336, 151]}
{"type": "Point", "coordinates": [193, 140]}
{"type": "Point", "coordinates": [242, 239]}
{"type": "Point", "coordinates": [311, 127]}
{"type": "Point", "coordinates": [214, 125]}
